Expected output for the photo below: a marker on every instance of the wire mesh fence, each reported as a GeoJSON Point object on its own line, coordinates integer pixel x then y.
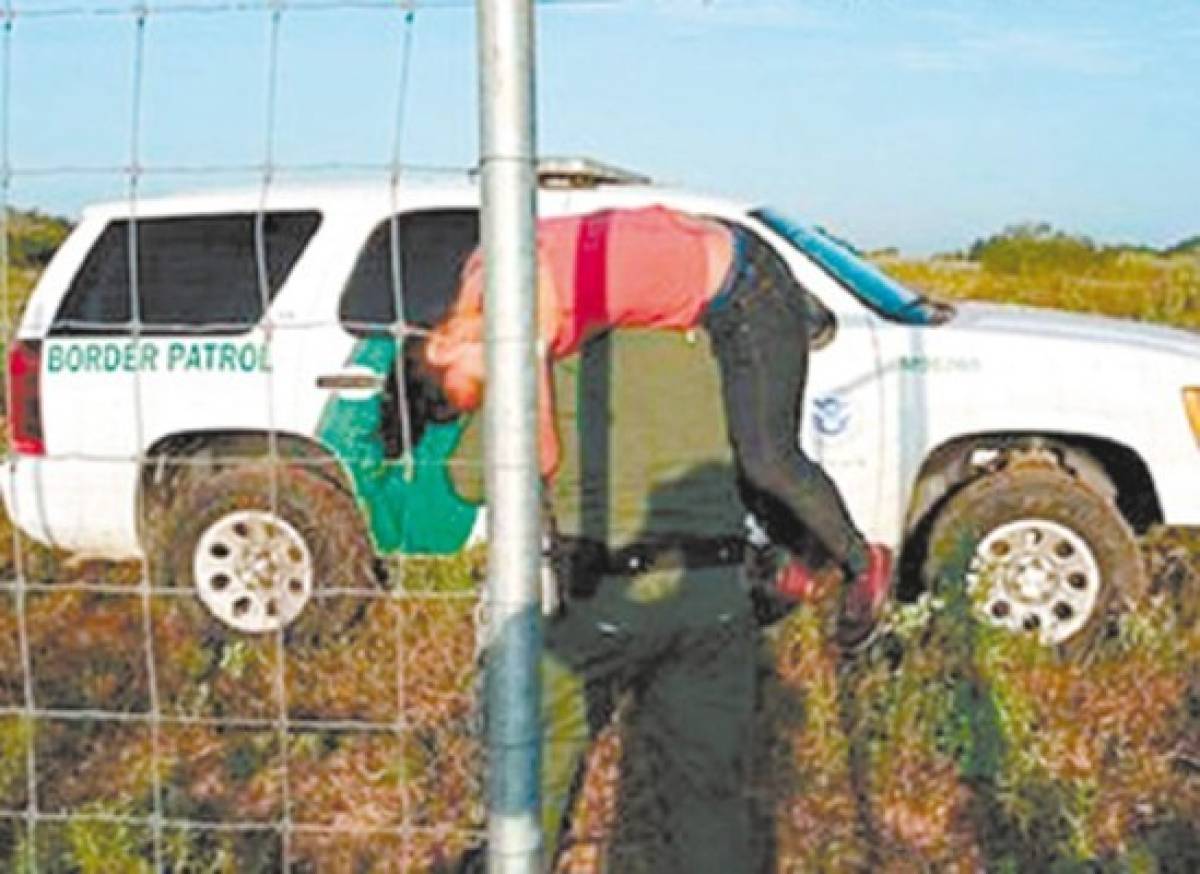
{"type": "Point", "coordinates": [140, 731]}
{"type": "Point", "coordinates": [159, 713]}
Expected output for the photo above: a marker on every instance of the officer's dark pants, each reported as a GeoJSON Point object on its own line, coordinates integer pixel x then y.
{"type": "Point", "coordinates": [759, 329]}
{"type": "Point", "coordinates": [682, 642]}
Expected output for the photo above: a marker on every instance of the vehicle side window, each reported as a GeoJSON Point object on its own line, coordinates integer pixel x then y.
{"type": "Point", "coordinates": [433, 247]}
{"type": "Point", "coordinates": [195, 274]}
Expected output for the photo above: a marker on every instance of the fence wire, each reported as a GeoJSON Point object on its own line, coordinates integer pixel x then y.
{"type": "Point", "coordinates": [221, 7]}
{"type": "Point", "coordinates": [138, 732]}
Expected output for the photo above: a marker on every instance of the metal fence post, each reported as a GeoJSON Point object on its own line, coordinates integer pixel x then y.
{"type": "Point", "coordinates": [507, 164]}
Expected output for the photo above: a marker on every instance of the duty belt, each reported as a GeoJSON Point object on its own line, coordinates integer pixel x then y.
{"type": "Point", "coordinates": [640, 558]}
{"type": "Point", "coordinates": [580, 563]}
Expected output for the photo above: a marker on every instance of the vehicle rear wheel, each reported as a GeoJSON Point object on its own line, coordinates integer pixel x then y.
{"type": "Point", "coordinates": [1039, 552]}
{"type": "Point", "coordinates": [258, 549]}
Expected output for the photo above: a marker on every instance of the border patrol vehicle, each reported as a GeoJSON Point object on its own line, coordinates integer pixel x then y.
{"type": "Point", "coordinates": [1021, 451]}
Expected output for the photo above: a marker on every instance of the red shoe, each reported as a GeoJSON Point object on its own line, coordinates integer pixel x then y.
{"type": "Point", "coordinates": [795, 582]}
{"type": "Point", "coordinates": [864, 598]}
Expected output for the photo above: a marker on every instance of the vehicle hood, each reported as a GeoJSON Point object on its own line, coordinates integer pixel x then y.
{"type": "Point", "coordinates": [1071, 330]}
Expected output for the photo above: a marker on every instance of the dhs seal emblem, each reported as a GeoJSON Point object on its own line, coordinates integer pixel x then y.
{"type": "Point", "coordinates": [831, 415]}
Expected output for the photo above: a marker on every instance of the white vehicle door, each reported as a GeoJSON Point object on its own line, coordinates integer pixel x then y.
{"type": "Point", "coordinates": [404, 277]}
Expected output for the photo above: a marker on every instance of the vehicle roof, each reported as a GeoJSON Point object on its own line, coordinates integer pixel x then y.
{"type": "Point", "coordinates": [411, 191]}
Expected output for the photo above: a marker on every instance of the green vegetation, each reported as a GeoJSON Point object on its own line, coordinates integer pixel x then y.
{"type": "Point", "coordinates": [1190, 246]}
{"type": "Point", "coordinates": [33, 237]}
{"type": "Point", "coordinates": [950, 747]}
{"type": "Point", "coordinates": [1036, 265]}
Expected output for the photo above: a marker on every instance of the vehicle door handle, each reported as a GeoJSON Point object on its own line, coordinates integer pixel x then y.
{"type": "Point", "coordinates": [352, 380]}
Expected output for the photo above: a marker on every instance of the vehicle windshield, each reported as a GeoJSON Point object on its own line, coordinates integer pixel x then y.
{"type": "Point", "coordinates": [861, 278]}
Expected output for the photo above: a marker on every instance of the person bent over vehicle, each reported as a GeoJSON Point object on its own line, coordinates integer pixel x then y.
{"type": "Point", "coordinates": [658, 268]}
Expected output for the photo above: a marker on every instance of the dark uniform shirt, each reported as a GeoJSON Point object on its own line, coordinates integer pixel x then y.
{"type": "Point", "coordinates": [645, 451]}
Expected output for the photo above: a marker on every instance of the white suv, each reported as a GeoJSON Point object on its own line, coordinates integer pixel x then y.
{"type": "Point", "coordinates": [1021, 450]}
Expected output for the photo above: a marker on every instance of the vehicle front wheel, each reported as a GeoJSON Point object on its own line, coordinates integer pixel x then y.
{"type": "Point", "coordinates": [1039, 552]}
{"type": "Point", "coordinates": [259, 548]}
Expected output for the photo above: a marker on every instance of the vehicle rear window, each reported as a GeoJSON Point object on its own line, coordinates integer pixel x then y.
{"type": "Point", "coordinates": [433, 247]}
{"type": "Point", "coordinates": [195, 274]}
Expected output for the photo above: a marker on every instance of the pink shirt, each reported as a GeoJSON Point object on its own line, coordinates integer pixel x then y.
{"type": "Point", "coordinates": [650, 267]}
{"type": "Point", "coordinates": [633, 268]}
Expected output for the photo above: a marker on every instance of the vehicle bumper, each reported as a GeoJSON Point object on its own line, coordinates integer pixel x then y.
{"type": "Point", "coordinates": [84, 506]}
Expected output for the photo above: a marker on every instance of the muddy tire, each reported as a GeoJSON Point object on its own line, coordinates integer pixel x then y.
{"type": "Point", "coordinates": [264, 553]}
{"type": "Point", "coordinates": [1038, 552]}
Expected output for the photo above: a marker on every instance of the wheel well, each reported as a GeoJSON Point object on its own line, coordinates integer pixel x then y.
{"type": "Point", "coordinates": [211, 451]}
{"type": "Point", "coordinates": [1109, 467]}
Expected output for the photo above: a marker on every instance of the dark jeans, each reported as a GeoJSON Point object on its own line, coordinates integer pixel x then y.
{"type": "Point", "coordinates": [759, 325]}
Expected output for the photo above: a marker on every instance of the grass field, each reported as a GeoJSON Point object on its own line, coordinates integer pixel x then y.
{"type": "Point", "coordinates": [945, 747]}
{"type": "Point", "coordinates": [1130, 285]}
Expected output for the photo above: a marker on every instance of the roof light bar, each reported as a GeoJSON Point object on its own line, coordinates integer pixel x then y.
{"type": "Point", "coordinates": [567, 172]}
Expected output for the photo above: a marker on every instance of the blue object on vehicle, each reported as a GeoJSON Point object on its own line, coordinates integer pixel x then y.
{"type": "Point", "coordinates": [860, 277]}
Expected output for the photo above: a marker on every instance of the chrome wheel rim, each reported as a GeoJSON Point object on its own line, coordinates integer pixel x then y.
{"type": "Point", "coordinates": [253, 571]}
{"type": "Point", "coordinates": [1035, 576]}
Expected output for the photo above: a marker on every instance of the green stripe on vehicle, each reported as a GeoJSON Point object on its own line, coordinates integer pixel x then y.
{"type": "Point", "coordinates": [410, 505]}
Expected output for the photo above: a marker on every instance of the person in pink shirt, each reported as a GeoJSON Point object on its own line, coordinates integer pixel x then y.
{"type": "Point", "coordinates": [658, 268]}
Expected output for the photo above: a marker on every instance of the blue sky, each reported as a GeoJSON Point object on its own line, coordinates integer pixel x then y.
{"type": "Point", "coordinates": [916, 123]}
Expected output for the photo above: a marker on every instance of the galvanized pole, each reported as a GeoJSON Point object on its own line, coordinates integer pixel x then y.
{"type": "Point", "coordinates": [507, 164]}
